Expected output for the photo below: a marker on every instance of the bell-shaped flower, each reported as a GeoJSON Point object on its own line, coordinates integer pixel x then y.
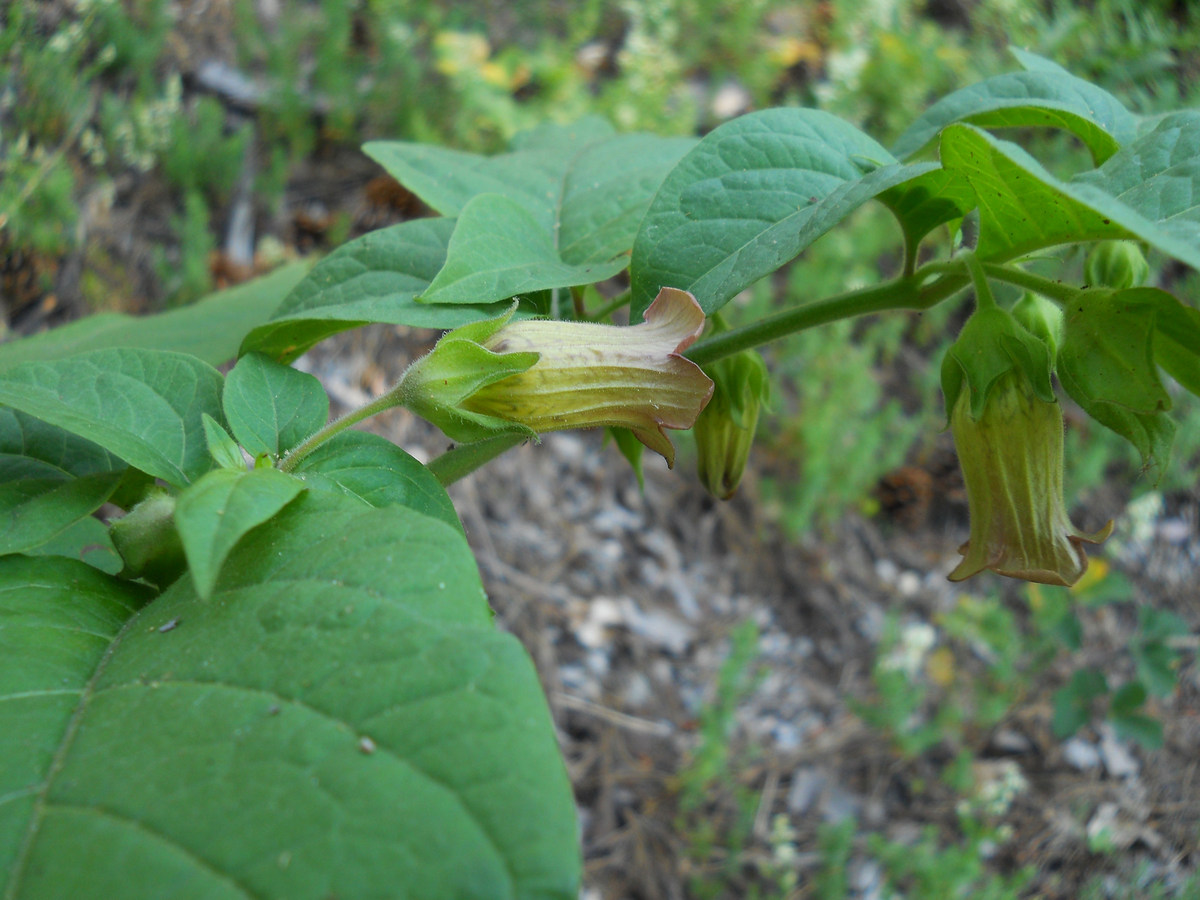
{"type": "Point", "coordinates": [1012, 463]}
{"type": "Point", "coordinates": [538, 375]}
{"type": "Point", "coordinates": [725, 429]}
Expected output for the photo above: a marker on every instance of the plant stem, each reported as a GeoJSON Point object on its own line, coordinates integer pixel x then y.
{"type": "Point", "coordinates": [609, 308]}
{"type": "Point", "coordinates": [462, 461]}
{"type": "Point", "coordinates": [902, 293]}
{"type": "Point", "coordinates": [1060, 293]}
{"type": "Point", "coordinates": [317, 438]}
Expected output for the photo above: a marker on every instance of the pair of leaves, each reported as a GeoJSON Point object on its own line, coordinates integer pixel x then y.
{"type": "Point", "coordinates": [758, 190]}
{"type": "Point", "coordinates": [336, 719]}
{"type": "Point", "coordinates": [558, 211]}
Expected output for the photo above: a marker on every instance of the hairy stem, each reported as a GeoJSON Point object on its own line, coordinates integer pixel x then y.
{"type": "Point", "coordinates": [1060, 293]}
{"type": "Point", "coordinates": [317, 438]}
{"type": "Point", "coordinates": [902, 293]}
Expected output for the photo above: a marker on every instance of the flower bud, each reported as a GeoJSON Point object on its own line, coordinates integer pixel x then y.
{"type": "Point", "coordinates": [1012, 462]}
{"type": "Point", "coordinates": [538, 375]}
{"type": "Point", "coordinates": [1042, 318]}
{"type": "Point", "coordinates": [1116, 264]}
{"type": "Point", "coordinates": [725, 429]}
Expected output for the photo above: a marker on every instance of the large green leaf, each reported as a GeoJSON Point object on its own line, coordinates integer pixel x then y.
{"type": "Point", "coordinates": [272, 407]}
{"type": "Point", "coordinates": [1024, 208]}
{"type": "Point", "coordinates": [210, 329]}
{"type": "Point", "coordinates": [213, 514]}
{"type": "Point", "coordinates": [751, 196]}
{"type": "Point", "coordinates": [340, 719]}
{"type": "Point", "coordinates": [374, 278]}
{"type": "Point", "coordinates": [142, 405]}
{"type": "Point", "coordinates": [498, 250]}
{"type": "Point", "coordinates": [1046, 95]}
{"type": "Point", "coordinates": [377, 472]}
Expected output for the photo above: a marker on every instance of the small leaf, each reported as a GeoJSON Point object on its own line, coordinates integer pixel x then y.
{"type": "Point", "coordinates": [532, 176]}
{"type": "Point", "coordinates": [141, 405]}
{"type": "Point", "coordinates": [209, 329]}
{"type": "Point", "coordinates": [223, 449]}
{"type": "Point", "coordinates": [1177, 339]}
{"type": "Point", "coordinates": [377, 472]}
{"type": "Point", "coordinates": [34, 510]}
{"type": "Point", "coordinates": [1106, 364]}
{"type": "Point", "coordinates": [272, 407]}
{"type": "Point", "coordinates": [498, 250]}
{"type": "Point", "coordinates": [213, 514]}
{"type": "Point", "coordinates": [923, 203]}
{"type": "Point", "coordinates": [1045, 95]}
{"type": "Point", "coordinates": [1139, 727]}
{"type": "Point", "coordinates": [1072, 702]}
{"type": "Point", "coordinates": [89, 541]}
{"type": "Point", "coordinates": [374, 278]}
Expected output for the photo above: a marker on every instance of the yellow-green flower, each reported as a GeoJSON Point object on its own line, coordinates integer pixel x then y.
{"type": "Point", "coordinates": [1012, 463]}
{"type": "Point", "coordinates": [538, 375]}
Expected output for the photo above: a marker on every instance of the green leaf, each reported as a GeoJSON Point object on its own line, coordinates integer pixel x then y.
{"type": "Point", "coordinates": [210, 329]}
{"type": "Point", "coordinates": [272, 407]}
{"type": "Point", "coordinates": [141, 405]}
{"type": "Point", "coordinates": [336, 721]}
{"type": "Point", "coordinates": [377, 472]}
{"type": "Point", "coordinates": [1106, 364]}
{"type": "Point", "coordinates": [533, 176]}
{"type": "Point", "coordinates": [34, 510]}
{"type": "Point", "coordinates": [607, 192]}
{"type": "Point", "coordinates": [87, 540]}
{"type": "Point", "coordinates": [1177, 341]}
{"type": "Point", "coordinates": [923, 203]}
{"type": "Point", "coordinates": [1024, 208]}
{"type": "Point", "coordinates": [374, 278]}
{"type": "Point", "coordinates": [213, 514]}
{"type": "Point", "coordinates": [221, 447]}
{"type": "Point", "coordinates": [751, 196]}
{"type": "Point", "coordinates": [1139, 727]}
{"type": "Point", "coordinates": [498, 250]}
{"type": "Point", "coordinates": [1072, 702]}
{"type": "Point", "coordinates": [1045, 95]}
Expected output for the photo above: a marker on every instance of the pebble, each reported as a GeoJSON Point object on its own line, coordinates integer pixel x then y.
{"type": "Point", "coordinates": [1119, 762]}
{"type": "Point", "coordinates": [1080, 754]}
{"type": "Point", "coordinates": [807, 784]}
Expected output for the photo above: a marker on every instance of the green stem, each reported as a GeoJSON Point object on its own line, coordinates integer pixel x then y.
{"type": "Point", "coordinates": [462, 461]}
{"type": "Point", "coordinates": [1060, 293]}
{"type": "Point", "coordinates": [902, 293]}
{"type": "Point", "coordinates": [984, 298]}
{"type": "Point", "coordinates": [609, 308]}
{"type": "Point", "coordinates": [317, 438]}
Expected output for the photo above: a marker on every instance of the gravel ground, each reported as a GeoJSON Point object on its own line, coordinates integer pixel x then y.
{"type": "Point", "coordinates": [628, 601]}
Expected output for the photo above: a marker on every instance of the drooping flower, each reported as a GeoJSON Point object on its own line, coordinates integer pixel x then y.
{"type": "Point", "coordinates": [1012, 462]}
{"type": "Point", "coordinates": [725, 429]}
{"type": "Point", "coordinates": [538, 375]}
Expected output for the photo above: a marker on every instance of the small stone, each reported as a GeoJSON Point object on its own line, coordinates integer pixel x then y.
{"type": "Point", "coordinates": [807, 784]}
{"type": "Point", "coordinates": [1118, 761]}
{"type": "Point", "coordinates": [1080, 754]}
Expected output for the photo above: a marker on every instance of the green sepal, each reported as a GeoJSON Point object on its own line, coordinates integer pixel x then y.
{"type": "Point", "coordinates": [990, 344]}
{"type": "Point", "coordinates": [435, 386]}
{"type": "Point", "coordinates": [223, 448]}
{"type": "Point", "coordinates": [725, 428]}
{"type": "Point", "coordinates": [1177, 339]}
